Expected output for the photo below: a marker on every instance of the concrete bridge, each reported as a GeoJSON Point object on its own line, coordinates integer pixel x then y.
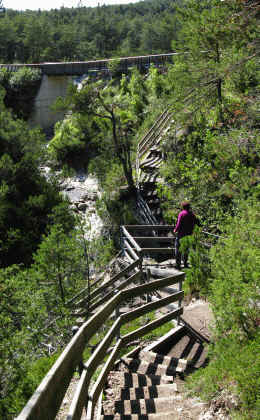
{"type": "Point", "coordinates": [57, 76]}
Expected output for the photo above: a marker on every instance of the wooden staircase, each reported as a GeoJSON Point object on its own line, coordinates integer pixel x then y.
{"type": "Point", "coordinates": [149, 159]}
{"type": "Point", "coordinates": [144, 388]}
{"type": "Point", "coordinates": [147, 385]}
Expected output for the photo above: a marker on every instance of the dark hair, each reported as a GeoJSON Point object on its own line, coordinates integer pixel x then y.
{"type": "Point", "coordinates": [185, 205]}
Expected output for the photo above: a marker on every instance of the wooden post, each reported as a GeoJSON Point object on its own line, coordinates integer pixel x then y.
{"type": "Point", "coordinates": [180, 300]}
{"type": "Point", "coordinates": [117, 315]}
{"type": "Point", "coordinates": [122, 241]}
{"type": "Point", "coordinates": [148, 278]}
{"type": "Point", "coordinates": [74, 330]}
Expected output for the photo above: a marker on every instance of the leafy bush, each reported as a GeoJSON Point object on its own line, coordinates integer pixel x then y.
{"type": "Point", "coordinates": [235, 271]}
{"type": "Point", "coordinates": [234, 367]}
{"type": "Point", "coordinates": [197, 279]}
{"type": "Point", "coordinates": [24, 77]}
{"type": "Point", "coordinates": [234, 362]}
{"type": "Point", "coordinates": [21, 87]}
{"type": "Point", "coordinates": [67, 140]}
{"type": "Point", "coordinates": [33, 376]}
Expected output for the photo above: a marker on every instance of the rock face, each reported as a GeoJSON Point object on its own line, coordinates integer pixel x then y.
{"type": "Point", "coordinates": [83, 193]}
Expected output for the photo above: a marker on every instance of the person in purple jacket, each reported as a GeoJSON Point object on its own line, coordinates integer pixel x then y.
{"type": "Point", "coordinates": [184, 227]}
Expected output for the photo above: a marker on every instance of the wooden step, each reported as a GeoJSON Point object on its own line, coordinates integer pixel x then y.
{"type": "Point", "coordinates": [172, 415]}
{"type": "Point", "coordinates": [156, 151]}
{"type": "Point", "coordinates": [172, 362]}
{"type": "Point", "coordinates": [136, 380]}
{"type": "Point", "coordinates": [141, 366]}
{"type": "Point", "coordinates": [145, 392]}
{"type": "Point", "coordinates": [142, 406]}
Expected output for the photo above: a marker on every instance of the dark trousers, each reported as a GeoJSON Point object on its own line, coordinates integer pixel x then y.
{"type": "Point", "coordinates": [178, 254]}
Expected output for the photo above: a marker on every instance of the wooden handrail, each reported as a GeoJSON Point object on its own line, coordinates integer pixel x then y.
{"type": "Point", "coordinates": [46, 400]}
{"type": "Point", "coordinates": [99, 354]}
{"type": "Point", "coordinates": [140, 332]}
{"type": "Point", "coordinates": [99, 384]}
{"type": "Point", "coordinates": [108, 283]}
{"type": "Point", "coordinates": [131, 239]}
{"type": "Point", "coordinates": [130, 250]}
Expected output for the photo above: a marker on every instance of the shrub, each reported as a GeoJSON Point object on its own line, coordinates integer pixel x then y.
{"type": "Point", "coordinates": [24, 77]}
{"type": "Point", "coordinates": [21, 88]}
{"type": "Point", "coordinates": [67, 140]}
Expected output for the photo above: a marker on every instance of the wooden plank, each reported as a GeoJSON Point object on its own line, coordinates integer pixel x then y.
{"type": "Point", "coordinates": [99, 384]}
{"type": "Point", "coordinates": [130, 259]}
{"type": "Point", "coordinates": [153, 285]}
{"type": "Point", "coordinates": [134, 277]}
{"type": "Point", "coordinates": [80, 397]}
{"type": "Point", "coordinates": [148, 134]}
{"type": "Point", "coordinates": [129, 316]}
{"type": "Point", "coordinates": [155, 238]}
{"type": "Point", "coordinates": [99, 408]}
{"type": "Point", "coordinates": [131, 239]}
{"type": "Point", "coordinates": [110, 282]}
{"type": "Point", "coordinates": [100, 352]}
{"type": "Point", "coordinates": [168, 250]}
{"type": "Point", "coordinates": [140, 332]}
{"type": "Point", "coordinates": [149, 227]}
{"type": "Point", "coordinates": [154, 132]}
{"type": "Point", "coordinates": [130, 250]}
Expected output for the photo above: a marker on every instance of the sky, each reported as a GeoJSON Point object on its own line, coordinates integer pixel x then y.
{"type": "Point", "coordinates": [56, 4]}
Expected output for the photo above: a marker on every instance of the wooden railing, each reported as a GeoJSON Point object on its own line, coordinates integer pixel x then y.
{"type": "Point", "coordinates": [132, 239]}
{"type": "Point", "coordinates": [47, 399]}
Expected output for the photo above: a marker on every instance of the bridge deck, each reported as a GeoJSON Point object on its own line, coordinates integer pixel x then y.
{"type": "Point", "coordinates": [83, 67]}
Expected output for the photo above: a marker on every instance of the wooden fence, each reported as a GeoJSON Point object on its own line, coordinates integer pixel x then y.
{"type": "Point", "coordinates": [132, 282]}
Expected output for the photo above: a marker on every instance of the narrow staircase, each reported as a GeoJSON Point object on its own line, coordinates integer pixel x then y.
{"type": "Point", "coordinates": [148, 384]}
{"type": "Point", "coordinates": [149, 159]}
{"type": "Point", "coordinates": [144, 388]}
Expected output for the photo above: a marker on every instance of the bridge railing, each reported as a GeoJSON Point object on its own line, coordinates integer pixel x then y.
{"type": "Point", "coordinates": [82, 67]}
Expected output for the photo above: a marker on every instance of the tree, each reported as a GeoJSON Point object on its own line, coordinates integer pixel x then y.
{"type": "Point", "coordinates": [213, 146]}
{"type": "Point", "coordinates": [209, 36]}
{"type": "Point", "coordinates": [27, 199]}
{"type": "Point", "coordinates": [104, 105]}
{"type": "Point", "coordinates": [59, 266]}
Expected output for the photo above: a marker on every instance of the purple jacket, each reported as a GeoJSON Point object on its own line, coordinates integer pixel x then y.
{"type": "Point", "coordinates": [185, 223]}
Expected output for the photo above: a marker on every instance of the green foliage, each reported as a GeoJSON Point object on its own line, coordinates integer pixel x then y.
{"type": "Point", "coordinates": [34, 317]}
{"type": "Point", "coordinates": [59, 266]}
{"type": "Point", "coordinates": [234, 295]}
{"type": "Point", "coordinates": [67, 140]}
{"type": "Point", "coordinates": [84, 33]}
{"type": "Point", "coordinates": [21, 87]}
{"type": "Point", "coordinates": [234, 369]}
{"type": "Point", "coordinates": [235, 271]}
{"type": "Point", "coordinates": [113, 113]}
{"type": "Point", "coordinates": [213, 148]}
{"type": "Point", "coordinates": [197, 279]}
{"type": "Point", "coordinates": [101, 252]}
{"type": "Point", "coordinates": [33, 376]}
{"type": "Point", "coordinates": [27, 198]}
{"type": "Point", "coordinates": [24, 77]}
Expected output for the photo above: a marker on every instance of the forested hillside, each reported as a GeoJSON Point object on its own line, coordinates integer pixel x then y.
{"type": "Point", "coordinates": [211, 158]}
{"type": "Point", "coordinates": [86, 33]}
